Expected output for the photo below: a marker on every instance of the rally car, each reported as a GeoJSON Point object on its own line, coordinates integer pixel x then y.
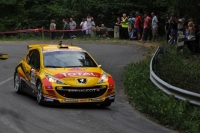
{"type": "Point", "coordinates": [63, 74]}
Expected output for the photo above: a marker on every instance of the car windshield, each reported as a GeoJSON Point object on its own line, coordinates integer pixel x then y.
{"type": "Point", "coordinates": [66, 58]}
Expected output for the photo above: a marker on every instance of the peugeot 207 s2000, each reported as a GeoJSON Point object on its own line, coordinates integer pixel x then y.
{"type": "Point", "coordinates": [63, 74]}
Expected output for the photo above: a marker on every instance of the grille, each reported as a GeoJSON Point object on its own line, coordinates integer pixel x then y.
{"type": "Point", "coordinates": [80, 92]}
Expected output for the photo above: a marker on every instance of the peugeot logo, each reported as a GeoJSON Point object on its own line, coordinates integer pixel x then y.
{"type": "Point", "coordinates": [82, 81]}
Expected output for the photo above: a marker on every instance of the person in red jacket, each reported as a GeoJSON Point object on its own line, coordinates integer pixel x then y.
{"type": "Point", "coordinates": [138, 23]}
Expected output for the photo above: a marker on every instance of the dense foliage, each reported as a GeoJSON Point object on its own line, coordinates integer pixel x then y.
{"type": "Point", "coordinates": [22, 14]}
{"type": "Point", "coordinates": [163, 108]}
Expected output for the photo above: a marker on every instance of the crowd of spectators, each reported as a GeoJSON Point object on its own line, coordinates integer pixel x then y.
{"type": "Point", "coordinates": [70, 27]}
{"type": "Point", "coordinates": [177, 25]}
{"type": "Point", "coordinates": [138, 27]}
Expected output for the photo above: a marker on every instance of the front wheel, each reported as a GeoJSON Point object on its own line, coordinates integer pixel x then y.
{"type": "Point", "coordinates": [17, 83]}
{"type": "Point", "coordinates": [40, 96]}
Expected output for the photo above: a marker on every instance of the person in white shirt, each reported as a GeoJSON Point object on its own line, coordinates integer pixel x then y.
{"type": "Point", "coordinates": [154, 27]}
{"type": "Point", "coordinates": [52, 27]}
{"type": "Point", "coordinates": [83, 24]}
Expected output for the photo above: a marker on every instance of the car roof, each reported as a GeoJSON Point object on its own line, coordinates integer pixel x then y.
{"type": "Point", "coordinates": [46, 47]}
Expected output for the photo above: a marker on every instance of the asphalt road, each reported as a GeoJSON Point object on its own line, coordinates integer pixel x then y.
{"type": "Point", "coordinates": [22, 114]}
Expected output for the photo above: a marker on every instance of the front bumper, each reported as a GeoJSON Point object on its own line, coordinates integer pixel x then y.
{"type": "Point", "coordinates": [110, 98]}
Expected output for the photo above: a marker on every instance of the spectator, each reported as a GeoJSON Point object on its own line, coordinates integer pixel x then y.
{"type": "Point", "coordinates": [154, 27]}
{"type": "Point", "coordinates": [52, 29]}
{"type": "Point", "coordinates": [124, 27]}
{"type": "Point", "coordinates": [84, 26]}
{"type": "Point", "coordinates": [191, 38]}
{"type": "Point", "coordinates": [104, 32]}
{"type": "Point", "coordinates": [118, 23]}
{"type": "Point", "coordinates": [181, 21]}
{"type": "Point", "coordinates": [174, 28]}
{"type": "Point", "coordinates": [131, 21]}
{"type": "Point", "coordinates": [65, 27]}
{"type": "Point", "coordinates": [138, 24]}
{"type": "Point", "coordinates": [146, 28]}
{"type": "Point", "coordinates": [89, 24]}
{"type": "Point", "coordinates": [198, 37]}
{"type": "Point", "coordinates": [167, 27]}
{"type": "Point", "coordinates": [93, 23]}
{"type": "Point", "coordinates": [72, 26]}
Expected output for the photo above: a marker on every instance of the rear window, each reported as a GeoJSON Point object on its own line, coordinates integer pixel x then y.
{"type": "Point", "coordinates": [65, 58]}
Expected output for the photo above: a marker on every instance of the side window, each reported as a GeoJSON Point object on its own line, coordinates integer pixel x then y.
{"type": "Point", "coordinates": [29, 56]}
{"type": "Point", "coordinates": [34, 60]}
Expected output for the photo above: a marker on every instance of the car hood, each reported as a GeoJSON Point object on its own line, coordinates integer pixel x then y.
{"type": "Point", "coordinates": [72, 76]}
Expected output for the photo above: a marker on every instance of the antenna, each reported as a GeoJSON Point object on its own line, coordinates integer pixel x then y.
{"type": "Point", "coordinates": [60, 43]}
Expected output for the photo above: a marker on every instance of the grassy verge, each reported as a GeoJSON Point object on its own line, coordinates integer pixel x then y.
{"type": "Point", "coordinates": [181, 69]}
{"type": "Point", "coordinates": [162, 108]}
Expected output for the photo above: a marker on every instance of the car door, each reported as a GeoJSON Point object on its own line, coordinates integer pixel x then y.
{"type": "Point", "coordinates": [35, 66]}
{"type": "Point", "coordinates": [31, 68]}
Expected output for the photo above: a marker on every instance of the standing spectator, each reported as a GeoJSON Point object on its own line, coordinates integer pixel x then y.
{"type": "Point", "coordinates": [181, 21]}
{"type": "Point", "coordinates": [89, 24]}
{"type": "Point", "coordinates": [198, 37]}
{"type": "Point", "coordinates": [118, 23]}
{"type": "Point", "coordinates": [65, 27]}
{"type": "Point", "coordinates": [146, 27]}
{"type": "Point", "coordinates": [131, 21]}
{"type": "Point", "coordinates": [124, 27]}
{"type": "Point", "coordinates": [167, 27]}
{"type": "Point", "coordinates": [174, 28]}
{"type": "Point", "coordinates": [93, 23]}
{"type": "Point", "coordinates": [191, 38]}
{"type": "Point", "coordinates": [154, 27]}
{"type": "Point", "coordinates": [138, 23]}
{"type": "Point", "coordinates": [84, 26]}
{"type": "Point", "coordinates": [72, 26]}
{"type": "Point", "coordinates": [52, 28]}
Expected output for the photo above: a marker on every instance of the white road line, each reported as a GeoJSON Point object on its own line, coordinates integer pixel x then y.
{"type": "Point", "coordinates": [4, 81]}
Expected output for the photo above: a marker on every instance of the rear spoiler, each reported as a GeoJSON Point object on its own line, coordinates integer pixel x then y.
{"type": "Point", "coordinates": [36, 45]}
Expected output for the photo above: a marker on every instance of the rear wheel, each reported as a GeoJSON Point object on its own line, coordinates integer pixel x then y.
{"type": "Point", "coordinates": [40, 96]}
{"type": "Point", "coordinates": [17, 83]}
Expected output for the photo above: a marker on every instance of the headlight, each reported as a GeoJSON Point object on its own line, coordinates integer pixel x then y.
{"type": "Point", "coordinates": [104, 78]}
{"type": "Point", "coordinates": [53, 79]}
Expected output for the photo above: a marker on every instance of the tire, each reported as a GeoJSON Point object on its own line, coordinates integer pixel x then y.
{"type": "Point", "coordinates": [17, 83]}
{"type": "Point", "coordinates": [40, 96]}
{"type": "Point", "coordinates": [107, 104]}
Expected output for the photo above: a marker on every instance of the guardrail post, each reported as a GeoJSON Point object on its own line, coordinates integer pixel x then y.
{"type": "Point", "coordinates": [93, 32]}
{"type": "Point", "coordinates": [116, 32]}
{"type": "Point", "coordinates": [42, 33]}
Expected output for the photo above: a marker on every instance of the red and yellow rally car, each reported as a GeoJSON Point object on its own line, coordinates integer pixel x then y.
{"type": "Point", "coordinates": [63, 74]}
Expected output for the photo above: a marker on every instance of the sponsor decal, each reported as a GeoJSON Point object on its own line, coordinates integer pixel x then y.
{"type": "Point", "coordinates": [96, 100]}
{"type": "Point", "coordinates": [48, 100]}
{"type": "Point", "coordinates": [76, 69]}
{"type": "Point", "coordinates": [82, 100]}
{"type": "Point", "coordinates": [77, 74]}
{"type": "Point", "coordinates": [112, 96]}
{"type": "Point", "coordinates": [83, 90]}
{"type": "Point", "coordinates": [70, 101]}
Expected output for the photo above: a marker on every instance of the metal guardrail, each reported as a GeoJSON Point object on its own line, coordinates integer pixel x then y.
{"type": "Point", "coordinates": [179, 93]}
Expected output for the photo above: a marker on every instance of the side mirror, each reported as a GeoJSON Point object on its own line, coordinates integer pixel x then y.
{"type": "Point", "coordinates": [99, 66]}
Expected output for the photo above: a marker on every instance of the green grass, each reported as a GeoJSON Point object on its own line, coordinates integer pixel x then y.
{"type": "Point", "coordinates": [154, 103]}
